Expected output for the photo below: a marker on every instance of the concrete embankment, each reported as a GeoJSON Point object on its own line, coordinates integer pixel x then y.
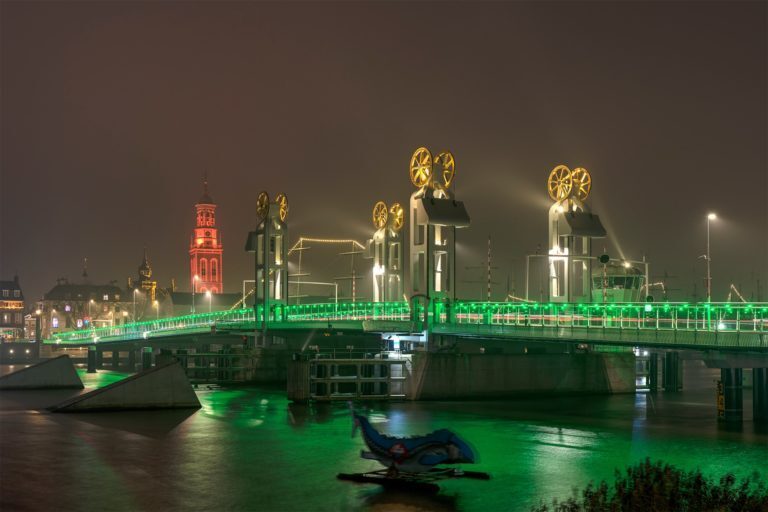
{"type": "Point", "coordinates": [162, 387]}
{"type": "Point", "coordinates": [445, 376]}
{"type": "Point", "coordinates": [51, 374]}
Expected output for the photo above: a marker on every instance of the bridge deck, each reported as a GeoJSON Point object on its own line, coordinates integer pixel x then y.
{"type": "Point", "coordinates": [716, 326]}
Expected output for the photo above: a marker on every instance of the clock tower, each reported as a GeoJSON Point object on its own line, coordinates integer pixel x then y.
{"type": "Point", "coordinates": [205, 248]}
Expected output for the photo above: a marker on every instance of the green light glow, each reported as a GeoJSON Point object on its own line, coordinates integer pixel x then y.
{"type": "Point", "coordinates": [730, 317]}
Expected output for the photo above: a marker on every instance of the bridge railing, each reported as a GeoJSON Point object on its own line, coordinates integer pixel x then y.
{"type": "Point", "coordinates": [710, 317]}
{"type": "Point", "coordinates": [714, 317]}
{"type": "Point", "coordinates": [202, 321]}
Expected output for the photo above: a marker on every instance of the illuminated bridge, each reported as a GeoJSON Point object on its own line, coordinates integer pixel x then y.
{"type": "Point", "coordinates": [709, 326]}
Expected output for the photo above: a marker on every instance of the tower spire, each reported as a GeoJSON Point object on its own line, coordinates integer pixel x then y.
{"type": "Point", "coordinates": [206, 198]}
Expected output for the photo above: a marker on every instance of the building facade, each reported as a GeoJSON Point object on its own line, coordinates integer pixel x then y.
{"type": "Point", "coordinates": [11, 310]}
{"type": "Point", "coordinates": [205, 248]}
{"type": "Point", "coordinates": [68, 307]}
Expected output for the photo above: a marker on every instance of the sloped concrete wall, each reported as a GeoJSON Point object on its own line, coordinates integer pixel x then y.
{"type": "Point", "coordinates": [162, 387]}
{"type": "Point", "coordinates": [452, 376]}
{"type": "Point", "coordinates": [50, 374]}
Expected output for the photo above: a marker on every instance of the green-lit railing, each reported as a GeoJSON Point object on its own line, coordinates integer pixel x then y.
{"type": "Point", "coordinates": [245, 317]}
{"type": "Point", "coordinates": [677, 317]}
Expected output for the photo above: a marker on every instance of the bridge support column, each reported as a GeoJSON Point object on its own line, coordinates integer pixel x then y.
{"type": "Point", "coordinates": [181, 355]}
{"type": "Point", "coordinates": [653, 372]}
{"type": "Point", "coordinates": [115, 359]}
{"type": "Point", "coordinates": [760, 395]}
{"type": "Point", "coordinates": [91, 359]}
{"type": "Point", "coordinates": [132, 359]}
{"type": "Point", "coordinates": [672, 374]}
{"type": "Point", "coordinates": [146, 358]}
{"type": "Point", "coordinates": [733, 394]}
{"type": "Point", "coordinates": [99, 359]}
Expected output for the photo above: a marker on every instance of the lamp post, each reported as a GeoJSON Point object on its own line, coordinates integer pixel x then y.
{"type": "Point", "coordinates": [89, 310]}
{"type": "Point", "coordinates": [156, 304]}
{"type": "Point", "coordinates": [135, 292]}
{"type": "Point", "coordinates": [209, 296]}
{"type": "Point", "coordinates": [194, 286]}
{"type": "Point", "coordinates": [710, 217]}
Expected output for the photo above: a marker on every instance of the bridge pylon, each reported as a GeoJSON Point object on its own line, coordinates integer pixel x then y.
{"type": "Point", "coordinates": [386, 249]}
{"type": "Point", "coordinates": [269, 243]}
{"type": "Point", "coordinates": [434, 217]}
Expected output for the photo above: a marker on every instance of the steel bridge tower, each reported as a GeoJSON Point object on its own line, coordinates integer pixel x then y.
{"type": "Point", "coordinates": [434, 217]}
{"type": "Point", "coordinates": [386, 248]}
{"type": "Point", "coordinates": [269, 243]}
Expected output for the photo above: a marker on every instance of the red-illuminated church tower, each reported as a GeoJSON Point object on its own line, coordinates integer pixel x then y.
{"type": "Point", "coordinates": [205, 248]}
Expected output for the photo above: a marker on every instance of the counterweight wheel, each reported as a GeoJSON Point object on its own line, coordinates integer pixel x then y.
{"type": "Point", "coordinates": [421, 167]}
{"type": "Point", "coordinates": [582, 183]}
{"type": "Point", "coordinates": [447, 167]}
{"type": "Point", "coordinates": [396, 216]}
{"type": "Point", "coordinates": [380, 214]}
{"type": "Point", "coordinates": [262, 205]}
{"type": "Point", "coordinates": [560, 183]}
{"type": "Point", "coordinates": [282, 203]}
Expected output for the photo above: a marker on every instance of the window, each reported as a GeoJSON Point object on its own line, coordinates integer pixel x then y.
{"type": "Point", "coordinates": [55, 322]}
{"type": "Point", "coordinates": [67, 308]}
{"type": "Point", "coordinates": [5, 293]}
{"type": "Point", "coordinates": [214, 268]}
{"type": "Point", "coordinates": [203, 268]}
{"type": "Point", "coordinates": [18, 318]}
{"type": "Point", "coordinates": [106, 296]}
{"type": "Point", "coordinates": [79, 323]}
{"type": "Point", "coordinates": [16, 293]}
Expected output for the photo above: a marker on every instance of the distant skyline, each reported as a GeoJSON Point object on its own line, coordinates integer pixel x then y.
{"type": "Point", "coordinates": [110, 113]}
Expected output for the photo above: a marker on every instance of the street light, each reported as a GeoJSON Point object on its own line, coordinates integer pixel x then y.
{"type": "Point", "coordinates": [156, 304]}
{"type": "Point", "coordinates": [89, 310]}
{"type": "Point", "coordinates": [195, 279]}
{"type": "Point", "coordinates": [710, 218]}
{"type": "Point", "coordinates": [208, 294]}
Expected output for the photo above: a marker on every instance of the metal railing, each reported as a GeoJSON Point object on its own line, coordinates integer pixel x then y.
{"type": "Point", "coordinates": [579, 321]}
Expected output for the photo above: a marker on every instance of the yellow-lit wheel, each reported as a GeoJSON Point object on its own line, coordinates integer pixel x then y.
{"type": "Point", "coordinates": [397, 216]}
{"type": "Point", "coordinates": [282, 202]}
{"type": "Point", "coordinates": [421, 167]}
{"type": "Point", "coordinates": [560, 183]}
{"type": "Point", "coordinates": [447, 167]}
{"type": "Point", "coordinates": [380, 215]}
{"type": "Point", "coordinates": [582, 183]}
{"type": "Point", "coordinates": [262, 205]}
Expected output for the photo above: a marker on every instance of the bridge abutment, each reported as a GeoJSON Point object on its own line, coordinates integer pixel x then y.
{"type": "Point", "coordinates": [760, 395]}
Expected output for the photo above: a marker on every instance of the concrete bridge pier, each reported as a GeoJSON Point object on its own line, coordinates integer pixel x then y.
{"type": "Point", "coordinates": [181, 355]}
{"type": "Point", "coordinates": [115, 359]}
{"type": "Point", "coordinates": [99, 359]}
{"type": "Point", "coordinates": [733, 394]}
{"type": "Point", "coordinates": [132, 359]}
{"type": "Point", "coordinates": [760, 395]}
{"type": "Point", "coordinates": [653, 372]}
{"type": "Point", "coordinates": [146, 358]}
{"type": "Point", "coordinates": [91, 359]}
{"type": "Point", "coordinates": [672, 372]}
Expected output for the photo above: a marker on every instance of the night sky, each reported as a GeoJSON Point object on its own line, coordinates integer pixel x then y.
{"type": "Point", "coordinates": [111, 113]}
